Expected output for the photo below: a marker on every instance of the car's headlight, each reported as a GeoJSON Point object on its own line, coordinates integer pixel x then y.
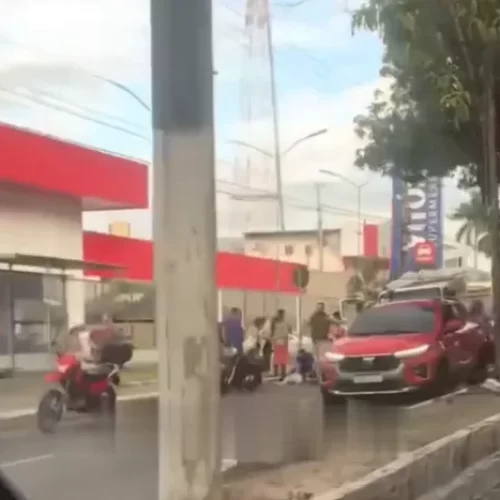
{"type": "Point", "coordinates": [334, 357]}
{"type": "Point", "coordinates": [411, 353]}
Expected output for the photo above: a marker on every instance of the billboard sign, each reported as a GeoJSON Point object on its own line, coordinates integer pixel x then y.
{"type": "Point", "coordinates": [416, 220]}
{"type": "Point", "coordinates": [424, 254]}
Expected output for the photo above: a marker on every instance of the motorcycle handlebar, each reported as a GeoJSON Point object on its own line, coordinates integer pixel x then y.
{"type": "Point", "coordinates": [114, 371]}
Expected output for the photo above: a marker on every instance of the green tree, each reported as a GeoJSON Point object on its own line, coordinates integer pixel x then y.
{"type": "Point", "coordinates": [431, 121]}
{"type": "Point", "coordinates": [440, 115]}
{"type": "Point", "coordinates": [365, 285]}
{"type": "Point", "coordinates": [473, 230]}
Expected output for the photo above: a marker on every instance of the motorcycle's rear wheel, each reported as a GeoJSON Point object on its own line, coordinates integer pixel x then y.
{"type": "Point", "coordinates": [252, 380]}
{"type": "Point", "coordinates": [50, 411]}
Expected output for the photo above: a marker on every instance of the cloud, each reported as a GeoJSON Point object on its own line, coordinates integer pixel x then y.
{"type": "Point", "coordinates": [302, 112]}
{"type": "Point", "coordinates": [104, 36]}
{"type": "Point", "coordinates": [305, 111]}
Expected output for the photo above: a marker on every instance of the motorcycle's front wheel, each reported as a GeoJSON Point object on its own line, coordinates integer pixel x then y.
{"type": "Point", "coordinates": [50, 411]}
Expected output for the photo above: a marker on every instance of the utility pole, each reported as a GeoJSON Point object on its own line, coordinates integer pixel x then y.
{"type": "Point", "coordinates": [320, 235]}
{"type": "Point", "coordinates": [276, 118]}
{"type": "Point", "coordinates": [358, 218]}
{"type": "Point", "coordinates": [359, 188]}
{"type": "Point", "coordinates": [184, 231]}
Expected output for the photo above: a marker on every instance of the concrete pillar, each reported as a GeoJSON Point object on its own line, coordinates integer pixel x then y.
{"type": "Point", "coordinates": [75, 299]}
{"type": "Point", "coordinates": [278, 425]}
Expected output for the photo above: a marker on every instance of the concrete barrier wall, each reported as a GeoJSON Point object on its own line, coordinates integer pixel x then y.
{"type": "Point", "coordinates": [419, 472]}
{"type": "Point", "coordinates": [481, 481]}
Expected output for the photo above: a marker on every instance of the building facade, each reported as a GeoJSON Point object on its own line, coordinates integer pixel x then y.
{"type": "Point", "coordinates": [332, 254]}
{"type": "Point", "coordinates": [45, 186]}
{"type": "Point", "coordinates": [49, 264]}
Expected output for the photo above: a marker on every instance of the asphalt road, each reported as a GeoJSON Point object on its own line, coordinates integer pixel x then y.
{"type": "Point", "coordinates": [84, 461]}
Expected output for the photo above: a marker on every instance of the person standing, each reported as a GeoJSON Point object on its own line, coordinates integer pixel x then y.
{"type": "Point", "coordinates": [266, 344]}
{"type": "Point", "coordinates": [337, 328]}
{"type": "Point", "coordinates": [319, 325]}
{"type": "Point", "coordinates": [280, 331]}
{"type": "Point", "coordinates": [233, 331]}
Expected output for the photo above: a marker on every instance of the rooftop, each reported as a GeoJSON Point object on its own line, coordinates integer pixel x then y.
{"type": "Point", "coordinates": [101, 181]}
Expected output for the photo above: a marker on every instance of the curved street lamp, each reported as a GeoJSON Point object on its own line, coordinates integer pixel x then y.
{"type": "Point", "coordinates": [277, 159]}
{"type": "Point", "coordinates": [287, 150]}
{"type": "Point", "coordinates": [128, 90]}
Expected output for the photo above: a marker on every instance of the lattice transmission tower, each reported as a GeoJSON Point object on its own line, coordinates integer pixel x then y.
{"type": "Point", "coordinates": [257, 169]}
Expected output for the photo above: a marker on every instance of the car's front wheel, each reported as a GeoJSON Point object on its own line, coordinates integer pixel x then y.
{"type": "Point", "coordinates": [443, 380]}
{"type": "Point", "coordinates": [481, 369]}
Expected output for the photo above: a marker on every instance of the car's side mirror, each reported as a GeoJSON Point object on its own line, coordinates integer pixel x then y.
{"type": "Point", "coordinates": [452, 326]}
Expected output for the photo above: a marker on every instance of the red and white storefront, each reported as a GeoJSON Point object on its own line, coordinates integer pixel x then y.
{"type": "Point", "coordinates": [45, 186]}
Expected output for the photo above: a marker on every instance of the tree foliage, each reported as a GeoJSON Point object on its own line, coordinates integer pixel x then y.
{"type": "Point", "coordinates": [473, 230]}
{"type": "Point", "coordinates": [430, 121]}
{"type": "Point", "coordinates": [366, 284]}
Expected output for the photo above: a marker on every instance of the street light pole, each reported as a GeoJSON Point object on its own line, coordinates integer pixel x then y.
{"type": "Point", "coordinates": [359, 188]}
{"type": "Point", "coordinates": [184, 234]}
{"type": "Point", "coordinates": [120, 86]}
{"type": "Point", "coordinates": [319, 212]}
{"type": "Point", "coordinates": [276, 128]}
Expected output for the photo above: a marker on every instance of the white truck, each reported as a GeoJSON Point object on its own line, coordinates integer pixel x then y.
{"type": "Point", "coordinates": [461, 283]}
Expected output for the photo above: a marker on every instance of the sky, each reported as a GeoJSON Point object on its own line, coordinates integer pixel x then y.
{"type": "Point", "coordinates": [56, 55]}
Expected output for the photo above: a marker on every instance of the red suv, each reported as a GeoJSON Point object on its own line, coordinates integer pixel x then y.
{"type": "Point", "coordinates": [407, 346]}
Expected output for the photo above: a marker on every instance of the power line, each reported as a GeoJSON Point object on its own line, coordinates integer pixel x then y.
{"type": "Point", "coordinates": [295, 200]}
{"type": "Point", "coordinates": [55, 107]}
{"type": "Point", "coordinates": [37, 92]}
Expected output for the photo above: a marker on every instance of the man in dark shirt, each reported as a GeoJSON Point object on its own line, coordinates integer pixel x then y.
{"type": "Point", "coordinates": [319, 325]}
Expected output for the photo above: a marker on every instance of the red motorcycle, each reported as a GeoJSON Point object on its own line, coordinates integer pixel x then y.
{"type": "Point", "coordinates": [77, 392]}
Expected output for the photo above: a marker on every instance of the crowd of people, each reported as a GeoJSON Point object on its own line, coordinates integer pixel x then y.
{"type": "Point", "coordinates": [271, 336]}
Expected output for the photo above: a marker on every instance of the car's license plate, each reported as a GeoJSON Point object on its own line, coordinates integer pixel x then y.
{"type": "Point", "coordinates": [368, 379]}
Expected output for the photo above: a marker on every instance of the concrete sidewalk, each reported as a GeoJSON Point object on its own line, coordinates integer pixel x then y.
{"type": "Point", "coordinates": [23, 390]}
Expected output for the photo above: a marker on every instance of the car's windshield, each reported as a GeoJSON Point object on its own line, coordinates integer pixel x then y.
{"type": "Point", "coordinates": [394, 320]}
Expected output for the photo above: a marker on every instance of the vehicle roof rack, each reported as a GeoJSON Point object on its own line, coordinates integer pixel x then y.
{"type": "Point", "coordinates": [452, 278]}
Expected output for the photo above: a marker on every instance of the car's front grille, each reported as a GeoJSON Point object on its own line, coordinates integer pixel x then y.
{"type": "Point", "coordinates": [369, 364]}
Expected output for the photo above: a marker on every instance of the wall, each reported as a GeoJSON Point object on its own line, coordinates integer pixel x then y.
{"type": "Point", "coordinates": [302, 249]}
{"type": "Point", "coordinates": [302, 246]}
{"type": "Point", "coordinates": [37, 223]}
{"type": "Point", "coordinates": [234, 271]}
{"type": "Point", "coordinates": [43, 224]}
{"type": "Point", "coordinates": [360, 239]}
